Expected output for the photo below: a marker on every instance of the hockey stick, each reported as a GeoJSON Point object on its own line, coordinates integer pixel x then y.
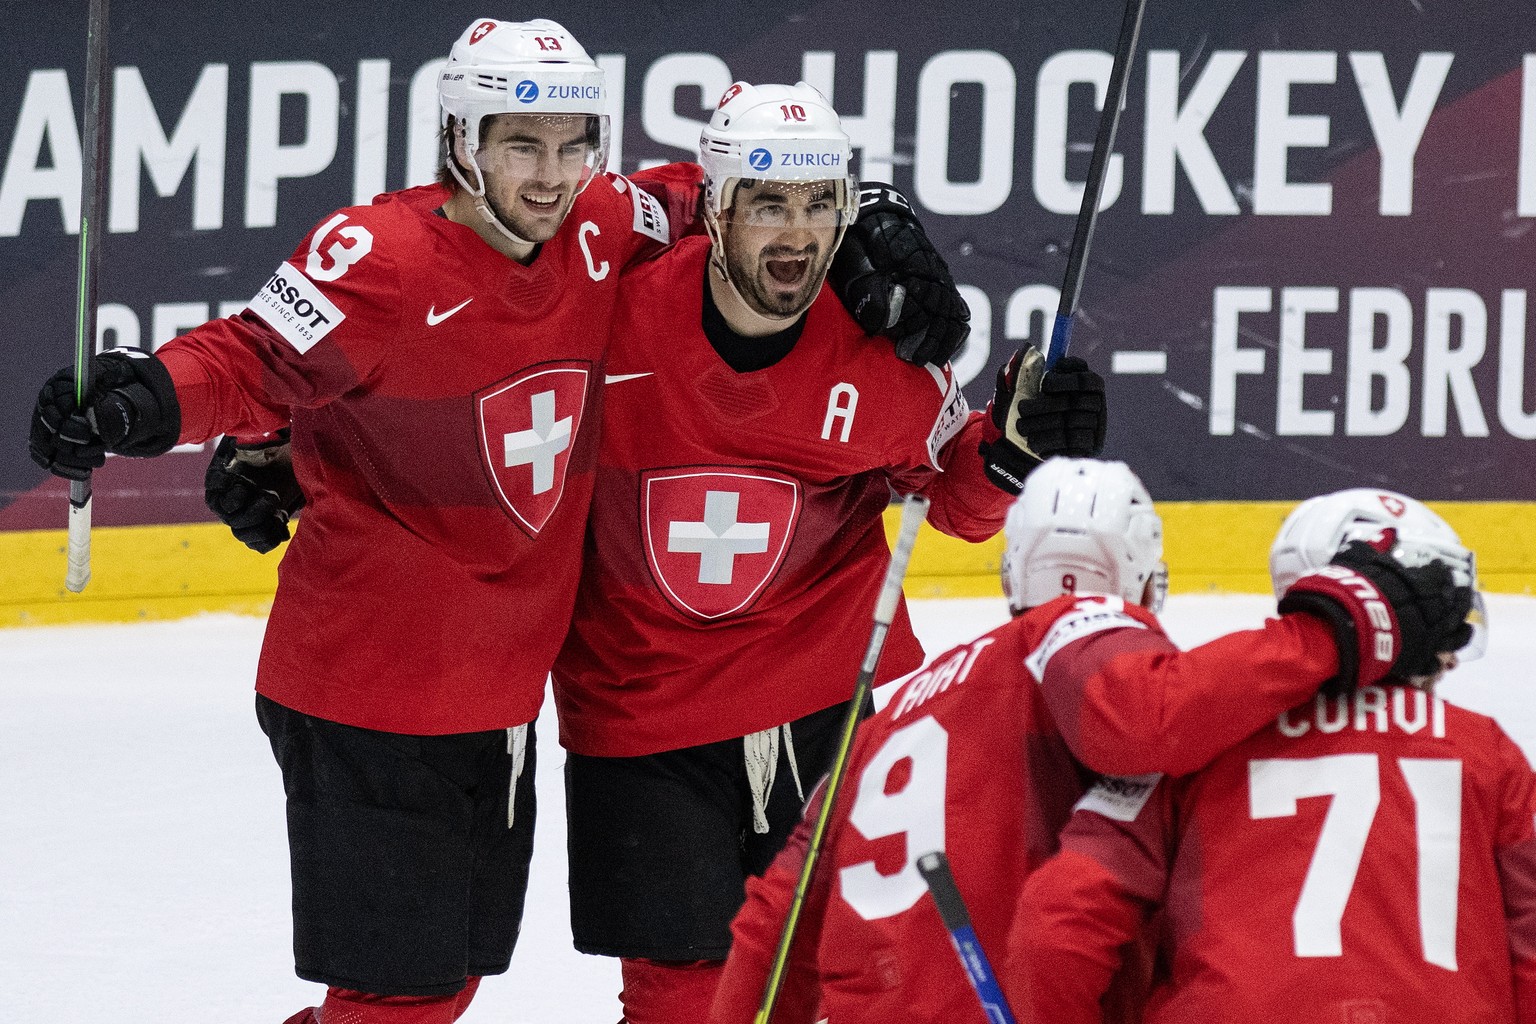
{"type": "Point", "coordinates": [1093, 188]}
{"type": "Point", "coordinates": [912, 512]}
{"type": "Point", "coordinates": [93, 200]}
{"type": "Point", "coordinates": [934, 867]}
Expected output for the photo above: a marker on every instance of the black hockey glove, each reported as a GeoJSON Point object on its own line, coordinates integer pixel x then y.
{"type": "Point", "coordinates": [1388, 619]}
{"type": "Point", "coordinates": [131, 409]}
{"type": "Point", "coordinates": [253, 490]}
{"type": "Point", "coordinates": [1041, 414]}
{"type": "Point", "coordinates": [894, 282]}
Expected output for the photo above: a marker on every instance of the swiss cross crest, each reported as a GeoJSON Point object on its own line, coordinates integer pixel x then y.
{"type": "Point", "coordinates": [528, 429]}
{"type": "Point", "coordinates": [714, 537]}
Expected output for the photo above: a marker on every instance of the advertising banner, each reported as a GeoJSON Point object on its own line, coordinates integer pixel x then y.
{"type": "Point", "coordinates": [1312, 269]}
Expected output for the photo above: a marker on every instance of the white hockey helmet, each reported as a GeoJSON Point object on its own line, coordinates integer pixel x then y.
{"type": "Point", "coordinates": [521, 67]}
{"type": "Point", "coordinates": [1083, 526]}
{"type": "Point", "coordinates": [775, 133]}
{"type": "Point", "coordinates": [1320, 527]}
{"type": "Point", "coordinates": [788, 135]}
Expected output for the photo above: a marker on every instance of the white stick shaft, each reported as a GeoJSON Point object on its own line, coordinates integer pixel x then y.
{"type": "Point", "coordinates": [913, 511]}
{"type": "Point", "coordinates": [79, 572]}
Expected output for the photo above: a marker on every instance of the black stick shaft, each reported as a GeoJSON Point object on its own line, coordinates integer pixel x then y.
{"type": "Point", "coordinates": [934, 867]}
{"type": "Point", "coordinates": [93, 189]}
{"type": "Point", "coordinates": [1093, 188]}
{"type": "Point", "coordinates": [97, 104]}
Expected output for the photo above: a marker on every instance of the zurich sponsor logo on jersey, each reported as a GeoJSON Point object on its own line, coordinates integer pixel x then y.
{"type": "Point", "coordinates": [760, 159]}
{"type": "Point", "coordinates": [527, 91]}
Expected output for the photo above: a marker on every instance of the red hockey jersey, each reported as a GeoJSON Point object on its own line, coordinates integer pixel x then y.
{"type": "Point", "coordinates": [1368, 858]}
{"type": "Point", "coordinates": [444, 402]}
{"type": "Point", "coordinates": [736, 545]}
{"type": "Point", "coordinates": [967, 758]}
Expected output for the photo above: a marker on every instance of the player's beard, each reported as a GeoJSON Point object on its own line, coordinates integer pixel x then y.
{"type": "Point", "coordinates": [778, 281]}
{"type": "Point", "coordinates": [531, 226]}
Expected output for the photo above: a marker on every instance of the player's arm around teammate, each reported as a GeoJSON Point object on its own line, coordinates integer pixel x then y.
{"type": "Point", "coordinates": [886, 272]}
{"type": "Point", "coordinates": [1129, 702]}
{"type": "Point", "coordinates": [751, 436]}
{"type": "Point", "coordinates": [434, 352]}
{"type": "Point", "coordinates": [1213, 850]}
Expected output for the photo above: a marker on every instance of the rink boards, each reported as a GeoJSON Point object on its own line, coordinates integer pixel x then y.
{"type": "Point", "coordinates": [165, 572]}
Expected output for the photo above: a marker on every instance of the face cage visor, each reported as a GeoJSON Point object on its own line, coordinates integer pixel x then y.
{"type": "Point", "coordinates": [1477, 618]}
{"type": "Point", "coordinates": [1157, 583]}
{"type": "Point", "coordinates": [549, 149]}
{"type": "Point", "coordinates": [827, 204]}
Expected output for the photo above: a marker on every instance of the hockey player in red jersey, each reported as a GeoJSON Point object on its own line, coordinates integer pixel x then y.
{"type": "Point", "coordinates": [1369, 856]}
{"type": "Point", "coordinates": [752, 435]}
{"type": "Point", "coordinates": [439, 355]}
{"type": "Point", "coordinates": [968, 756]}
{"type": "Point", "coordinates": [887, 274]}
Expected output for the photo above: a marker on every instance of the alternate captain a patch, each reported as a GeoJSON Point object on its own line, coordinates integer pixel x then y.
{"type": "Point", "coordinates": [528, 427]}
{"type": "Point", "coordinates": [715, 536]}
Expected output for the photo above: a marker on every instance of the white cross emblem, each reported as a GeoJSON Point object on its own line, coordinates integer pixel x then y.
{"type": "Point", "coordinates": [539, 446]}
{"type": "Point", "coordinates": [719, 538]}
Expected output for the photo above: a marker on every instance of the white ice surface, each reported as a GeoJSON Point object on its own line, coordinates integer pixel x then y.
{"type": "Point", "coordinates": [143, 865]}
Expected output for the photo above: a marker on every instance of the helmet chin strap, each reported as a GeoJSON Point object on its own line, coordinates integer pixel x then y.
{"type": "Point", "coordinates": [481, 203]}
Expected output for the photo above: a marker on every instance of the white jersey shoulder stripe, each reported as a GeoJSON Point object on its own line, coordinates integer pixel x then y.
{"type": "Point", "coordinates": [1088, 616]}
{"type": "Point", "coordinates": [650, 216]}
{"type": "Point", "coordinates": [939, 377]}
{"type": "Point", "coordinates": [952, 414]}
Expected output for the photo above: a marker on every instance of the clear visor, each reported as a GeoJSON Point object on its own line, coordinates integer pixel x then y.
{"type": "Point", "coordinates": [1157, 586]}
{"type": "Point", "coordinates": [822, 205]}
{"type": "Point", "coordinates": [562, 150]}
{"type": "Point", "coordinates": [1477, 618]}
{"type": "Point", "coordinates": [1413, 551]}
{"type": "Point", "coordinates": [1005, 571]}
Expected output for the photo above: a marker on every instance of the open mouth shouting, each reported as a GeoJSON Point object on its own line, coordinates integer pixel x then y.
{"type": "Point", "coordinates": [789, 273]}
{"type": "Point", "coordinates": [789, 269]}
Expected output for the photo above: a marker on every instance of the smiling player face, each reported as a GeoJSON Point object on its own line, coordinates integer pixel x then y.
{"type": "Point", "coordinates": [778, 239]}
{"type": "Point", "coordinates": [533, 167]}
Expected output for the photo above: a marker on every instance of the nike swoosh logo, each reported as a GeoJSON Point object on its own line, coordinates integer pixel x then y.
{"type": "Point", "coordinates": [614, 378]}
{"type": "Point", "coordinates": [434, 317]}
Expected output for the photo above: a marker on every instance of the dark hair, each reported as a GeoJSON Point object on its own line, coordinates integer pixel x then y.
{"type": "Point", "coordinates": [445, 153]}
